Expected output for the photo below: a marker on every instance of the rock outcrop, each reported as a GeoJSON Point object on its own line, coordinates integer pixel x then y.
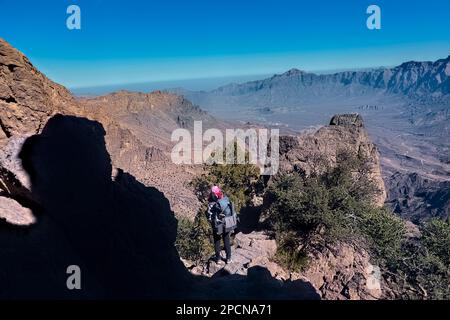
{"type": "Point", "coordinates": [27, 100]}
{"type": "Point", "coordinates": [338, 272]}
{"type": "Point", "coordinates": [308, 152]}
{"type": "Point", "coordinates": [27, 97]}
{"type": "Point", "coordinates": [344, 272]}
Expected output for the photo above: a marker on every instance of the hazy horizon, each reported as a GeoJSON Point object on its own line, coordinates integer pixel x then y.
{"type": "Point", "coordinates": [194, 84]}
{"type": "Point", "coordinates": [149, 42]}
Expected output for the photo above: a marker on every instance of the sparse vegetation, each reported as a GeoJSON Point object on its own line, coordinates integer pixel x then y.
{"type": "Point", "coordinates": [422, 269]}
{"type": "Point", "coordinates": [194, 238]}
{"type": "Point", "coordinates": [331, 205]}
{"type": "Point", "coordinates": [238, 181]}
{"type": "Point", "coordinates": [334, 204]}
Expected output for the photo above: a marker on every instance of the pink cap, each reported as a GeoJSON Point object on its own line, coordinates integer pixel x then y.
{"type": "Point", "coordinates": [216, 191]}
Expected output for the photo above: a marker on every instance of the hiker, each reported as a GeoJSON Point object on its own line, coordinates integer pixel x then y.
{"type": "Point", "coordinates": [223, 221]}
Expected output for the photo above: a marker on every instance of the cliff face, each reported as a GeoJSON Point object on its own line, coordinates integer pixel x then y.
{"type": "Point", "coordinates": [27, 97]}
{"type": "Point", "coordinates": [27, 100]}
{"type": "Point", "coordinates": [312, 151]}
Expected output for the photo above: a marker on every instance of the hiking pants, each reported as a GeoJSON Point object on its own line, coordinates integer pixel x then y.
{"type": "Point", "coordinates": [226, 242]}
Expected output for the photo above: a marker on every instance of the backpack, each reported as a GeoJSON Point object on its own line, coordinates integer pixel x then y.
{"type": "Point", "coordinates": [229, 215]}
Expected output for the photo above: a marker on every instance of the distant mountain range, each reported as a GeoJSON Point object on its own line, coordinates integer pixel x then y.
{"type": "Point", "coordinates": [409, 78]}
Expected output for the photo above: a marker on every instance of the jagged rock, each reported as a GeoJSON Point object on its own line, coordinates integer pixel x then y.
{"type": "Point", "coordinates": [344, 272]}
{"type": "Point", "coordinates": [14, 213]}
{"type": "Point", "coordinates": [27, 97]}
{"type": "Point", "coordinates": [353, 119]}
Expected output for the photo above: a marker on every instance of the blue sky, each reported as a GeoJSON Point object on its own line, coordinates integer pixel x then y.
{"type": "Point", "coordinates": [137, 41]}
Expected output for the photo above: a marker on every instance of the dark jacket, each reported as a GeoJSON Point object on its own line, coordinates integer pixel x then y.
{"type": "Point", "coordinates": [217, 210]}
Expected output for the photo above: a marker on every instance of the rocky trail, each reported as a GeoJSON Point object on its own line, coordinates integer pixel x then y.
{"type": "Point", "coordinates": [339, 274]}
{"type": "Point", "coordinates": [251, 274]}
{"type": "Point", "coordinates": [249, 250]}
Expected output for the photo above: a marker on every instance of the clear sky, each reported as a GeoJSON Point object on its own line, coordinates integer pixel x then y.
{"type": "Point", "coordinates": [135, 40]}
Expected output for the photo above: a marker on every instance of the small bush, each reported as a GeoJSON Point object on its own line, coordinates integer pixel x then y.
{"type": "Point", "coordinates": [385, 231]}
{"type": "Point", "coordinates": [289, 253]}
{"type": "Point", "coordinates": [194, 239]}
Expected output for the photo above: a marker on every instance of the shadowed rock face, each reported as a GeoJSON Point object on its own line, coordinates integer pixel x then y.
{"type": "Point", "coordinates": [119, 232]}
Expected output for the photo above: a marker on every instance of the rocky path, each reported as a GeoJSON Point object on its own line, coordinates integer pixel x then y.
{"type": "Point", "coordinates": [251, 275]}
{"type": "Point", "coordinates": [342, 273]}
{"type": "Point", "coordinates": [248, 250]}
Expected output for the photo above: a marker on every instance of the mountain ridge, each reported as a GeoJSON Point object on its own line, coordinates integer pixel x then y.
{"type": "Point", "coordinates": [427, 74]}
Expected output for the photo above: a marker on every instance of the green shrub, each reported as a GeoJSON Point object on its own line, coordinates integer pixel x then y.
{"type": "Point", "coordinates": [194, 238]}
{"type": "Point", "coordinates": [436, 238]}
{"type": "Point", "coordinates": [422, 269]}
{"type": "Point", "coordinates": [330, 205]}
{"type": "Point", "coordinates": [385, 231]}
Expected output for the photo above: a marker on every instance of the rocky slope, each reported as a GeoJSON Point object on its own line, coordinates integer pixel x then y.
{"type": "Point", "coordinates": [27, 97]}
{"type": "Point", "coordinates": [411, 195]}
{"type": "Point", "coordinates": [138, 128]}
{"type": "Point", "coordinates": [343, 272]}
